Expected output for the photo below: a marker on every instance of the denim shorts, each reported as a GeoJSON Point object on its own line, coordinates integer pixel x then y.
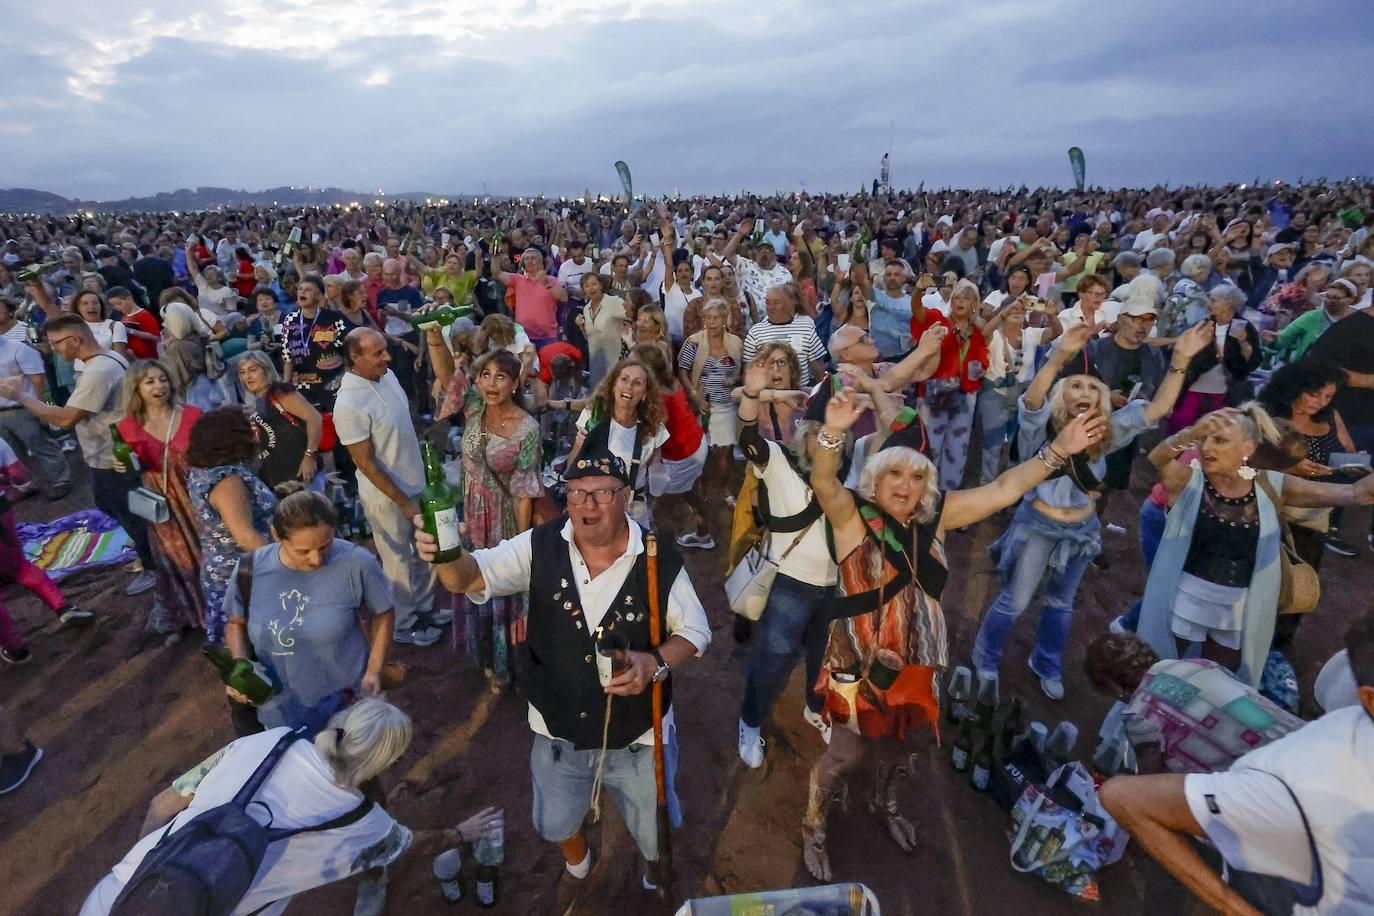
{"type": "Point", "coordinates": [563, 776]}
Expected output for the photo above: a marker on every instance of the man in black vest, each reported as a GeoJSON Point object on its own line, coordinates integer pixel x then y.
{"type": "Point", "coordinates": [591, 588]}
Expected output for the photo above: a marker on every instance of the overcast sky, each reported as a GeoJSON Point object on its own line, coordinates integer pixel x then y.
{"type": "Point", "coordinates": [101, 99]}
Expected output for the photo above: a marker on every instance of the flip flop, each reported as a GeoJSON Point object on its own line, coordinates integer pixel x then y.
{"type": "Point", "coordinates": [448, 867]}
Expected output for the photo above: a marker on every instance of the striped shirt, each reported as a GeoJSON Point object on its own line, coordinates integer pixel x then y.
{"type": "Point", "coordinates": [799, 334]}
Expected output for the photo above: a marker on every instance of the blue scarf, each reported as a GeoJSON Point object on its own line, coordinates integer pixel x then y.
{"type": "Point", "coordinates": [1261, 597]}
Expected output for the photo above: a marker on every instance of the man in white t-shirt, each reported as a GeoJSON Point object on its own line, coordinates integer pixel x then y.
{"type": "Point", "coordinates": [1299, 809]}
{"type": "Point", "coordinates": [372, 418]}
{"type": "Point", "coordinates": [784, 325]}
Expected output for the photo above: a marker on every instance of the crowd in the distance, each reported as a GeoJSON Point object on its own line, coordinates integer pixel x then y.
{"type": "Point", "coordinates": [261, 396]}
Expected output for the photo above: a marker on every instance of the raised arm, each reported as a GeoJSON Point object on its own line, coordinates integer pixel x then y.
{"type": "Point", "coordinates": [918, 365]}
{"type": "Point", "coordinates": [732, 246]}
{"type": "Point", "coordinates": [38, 290]}
{"type": "Point", "coordinates": [1074, 340]}
{"type": "Point", "coordinates": [964, 507]}
{"type": "Point", "coordinates": [841, 411]}
{"type": "Point", "coordinates": [1164, 457]}
{"type": "Point", "coordinates": [1192, 342]}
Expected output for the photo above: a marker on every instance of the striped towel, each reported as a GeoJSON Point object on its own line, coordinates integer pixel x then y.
{"type": "Point", "coordinates": [77, 541]}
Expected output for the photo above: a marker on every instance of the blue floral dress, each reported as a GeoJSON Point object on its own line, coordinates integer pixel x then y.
{"type": "Point", "coordinates": [219, 551]}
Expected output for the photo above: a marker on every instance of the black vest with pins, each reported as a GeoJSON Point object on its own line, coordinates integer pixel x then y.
{"type": "Point", "coordinates": [562, 680]}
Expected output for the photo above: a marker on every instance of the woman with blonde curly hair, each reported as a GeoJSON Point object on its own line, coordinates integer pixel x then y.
{"type": "Point", "coordinates": [1056, 527]}
{"type": "Point", "coordinates": [626, 416]}
{"type": "Point", "coordinates": [887, 639]}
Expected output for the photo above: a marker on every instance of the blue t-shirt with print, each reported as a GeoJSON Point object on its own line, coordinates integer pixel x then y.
{"type": "Point", "coordinates": [304, 629]}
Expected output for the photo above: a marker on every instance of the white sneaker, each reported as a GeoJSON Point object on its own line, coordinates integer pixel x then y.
{"type": "Point", "coordinates": [817, 721]}
{"type": "Point", "coordinates": [750, 746]}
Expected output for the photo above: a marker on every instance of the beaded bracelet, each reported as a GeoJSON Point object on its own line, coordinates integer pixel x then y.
{"type": "Point", "coordinates": [826, 441]}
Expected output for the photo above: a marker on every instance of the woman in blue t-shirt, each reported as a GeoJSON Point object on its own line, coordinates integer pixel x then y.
{"type": "Point", "coordinates": [319, 615]}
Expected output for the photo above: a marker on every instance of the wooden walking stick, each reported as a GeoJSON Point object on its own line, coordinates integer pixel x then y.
{"type": "Point", "coordinates": [664, 877]}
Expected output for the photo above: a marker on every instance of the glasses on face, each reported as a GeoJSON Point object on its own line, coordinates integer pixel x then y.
{"type": "Point", "coordinates": [601, 497]}
{"type": "Point", "coordinates": [779, 363]}
{"type": "Point", "coordinates": [60, 340]}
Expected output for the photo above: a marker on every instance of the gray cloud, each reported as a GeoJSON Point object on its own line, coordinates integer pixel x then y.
{"type": "Point", "coordinates": [698, 97]}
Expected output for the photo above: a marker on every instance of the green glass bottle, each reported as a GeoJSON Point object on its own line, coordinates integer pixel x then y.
{"type": "Point", "coordinates": [438, 509]}
{"type": "Point", "coordinates": [243, 674]}
{"type": "Point", "coordinates": [123, 453]}
{"type": "Point", "coordinates": [443, 316]}
{"type": "Point", "coordinates": [34, 271]}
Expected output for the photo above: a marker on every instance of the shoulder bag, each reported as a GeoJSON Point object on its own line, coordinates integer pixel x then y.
{"type": "Point", "coordinates": [143, 502]}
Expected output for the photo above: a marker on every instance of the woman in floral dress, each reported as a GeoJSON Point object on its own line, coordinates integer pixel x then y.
{"type": "Point", "coordinates": [500, 484]}
{"type": "Point", "coordinates": [233, 508]}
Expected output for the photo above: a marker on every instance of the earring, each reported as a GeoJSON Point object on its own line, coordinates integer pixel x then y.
{"type": "Point", "coordinates": [1245, 472]}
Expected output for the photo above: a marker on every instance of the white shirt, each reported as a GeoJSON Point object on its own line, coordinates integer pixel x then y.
{"type": "Point", "coordinates": [220, 301]}
{"type": "Point", "coordinates": [810, 561]}
{"type": "Point", "coordinates": [299, 792]}
{"type": "Point", "coordinates": [21, 360]}
{"type": "Point", "coordinates": [570, 275]}
{"type": "Point", "coordinates": [506, 570]}
{"type": "Point", "coordinates": [380, 412]}
{"type": "Point", "coordinates": [933, 300]}
{"type": "Point", "coordinates": [674, 307]}
{"type": "Point", "coordinates": [620, 442]}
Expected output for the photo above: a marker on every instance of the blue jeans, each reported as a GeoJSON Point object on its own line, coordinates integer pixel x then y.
{"type": "Point", "coordinates": [997, 420]}
{"type": "Point", "coordinates": [1151, 533]}
{"type": "Point", "coordinates": [1055, 618]}
{"type": "Point", "coordinates": [792, 620]}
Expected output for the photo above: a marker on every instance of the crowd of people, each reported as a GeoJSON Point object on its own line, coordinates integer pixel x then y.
{"type": "Point", "coordinates": [257, 394]}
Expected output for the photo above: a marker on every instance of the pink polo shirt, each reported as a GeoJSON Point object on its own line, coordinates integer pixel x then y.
{"type": "Point", "coordinates": [536, 310]}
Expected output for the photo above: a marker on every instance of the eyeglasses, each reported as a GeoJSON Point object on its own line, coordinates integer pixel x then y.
{"type": "Point", "coordinates": [601, 497]}
{"type": "Point", "coordinates": [53, 343]}
{"type": "Point", "coordinates": [780, 363]}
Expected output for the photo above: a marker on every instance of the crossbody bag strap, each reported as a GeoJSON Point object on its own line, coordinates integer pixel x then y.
{"type": "Point", "coordinates": [250, 788]}
{"type": "Point", "coordinates": [363, 809]}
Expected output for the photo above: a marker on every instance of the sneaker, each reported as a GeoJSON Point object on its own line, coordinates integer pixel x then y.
{"type": "Point", "coordinates": [418, 635]}
{"type": "Point", "coordinates": [16, 767]}
{"type": "Point", "coordinates": [68, 444]}
{"type": "Point", "coordinates": [1340, 548]}
{"type": "Point", "coordinates": [15, 656]}
{"type": "Point", "coordinates": [74, 617]}
{"type": "Point", "coordinates": [1053, 687]}
{"type": "Point", "coordinates": [692, 539]}
{"type": "Point", "coordinates": [817, 721]}
{"type": "Point", "coordinates": [371, 899]}
{"type": "Point", "coordinates": [142, 583]}
{"type": "Point", "coordinates": [750, 746]}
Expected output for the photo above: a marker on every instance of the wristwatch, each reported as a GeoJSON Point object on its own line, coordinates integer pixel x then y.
{"type": "Point", "coordinates": [662, 672]}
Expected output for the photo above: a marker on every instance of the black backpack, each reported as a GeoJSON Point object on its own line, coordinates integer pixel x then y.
{"type": "Point", "coordinates": [207, 866]}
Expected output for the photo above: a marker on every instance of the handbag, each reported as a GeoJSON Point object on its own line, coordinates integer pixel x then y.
{"type": "Point", "coordinates": [142, 501]}
{"type": "Point", "coordinates": [1299, 586]}
{"type": "Point", "coordinates": [1063, 834]}
{"type": "Point", "coordinates": [748, 585]}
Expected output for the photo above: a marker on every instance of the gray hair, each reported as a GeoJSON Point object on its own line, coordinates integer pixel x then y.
{"type": "Point", "coordinates": [263, 362]}
{"type": "Point", "coordinates": [885, 459]}
{"type": "Point", "coordinates": [1159, 258]}
{"type": "Point", "coordinates": [837, 345]}
{"type": "Point", "coordinates": [713, 304]}
{"type": "Point", "coordinates": [372, 257]}
{"type": "Point", "coordinates": [364, 740]}
{"type": "Point", "coordinates": [1229, 293]}
{"type": "Point", "coordinates": [1127, 259]}
{"type": "Point", "coordinates": [1196, 266]}
{"type": "Point", "coordinates": [180, 321]}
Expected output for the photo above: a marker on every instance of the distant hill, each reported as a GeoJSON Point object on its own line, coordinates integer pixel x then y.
{"type": "Point", "coordinates": [27, 200]}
